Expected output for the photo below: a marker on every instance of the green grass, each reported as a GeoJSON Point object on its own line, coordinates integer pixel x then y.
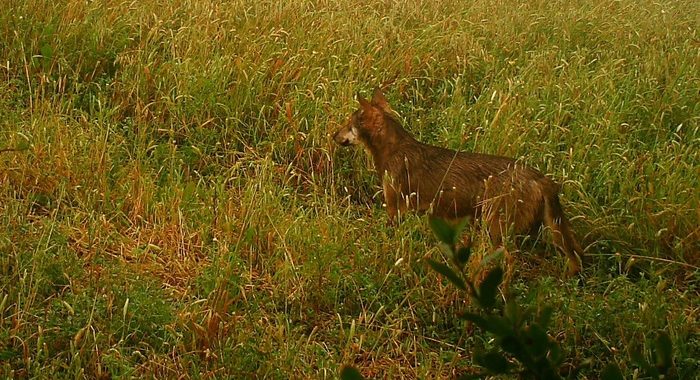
{"type": "Point", "coordinates": [171, 202]}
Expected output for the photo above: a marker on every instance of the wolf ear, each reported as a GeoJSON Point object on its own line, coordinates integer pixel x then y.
{"type": "Point", "coordinates": [366, 106]}
{"type": "Point", "coordinates": [379, 100]}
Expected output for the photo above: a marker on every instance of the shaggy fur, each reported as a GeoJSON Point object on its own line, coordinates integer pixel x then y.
{"type": "Point", "coordinates": [448, 184]}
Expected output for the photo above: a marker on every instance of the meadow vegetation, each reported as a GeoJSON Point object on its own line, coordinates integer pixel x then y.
{"type": "Point", "coordinates": [172, 204]}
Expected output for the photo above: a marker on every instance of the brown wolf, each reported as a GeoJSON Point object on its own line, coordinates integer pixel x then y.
{"type": "Point", "coordinates": [498, 190]}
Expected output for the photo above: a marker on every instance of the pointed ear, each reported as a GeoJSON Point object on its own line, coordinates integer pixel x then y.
{"type": "Point", "coordinates": [366, 106]}
{"type": "Point", "coordinates": [379, 100]}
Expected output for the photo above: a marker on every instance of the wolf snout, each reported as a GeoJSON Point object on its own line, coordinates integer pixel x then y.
{"type": "Point", "coordinates": [340, 139]}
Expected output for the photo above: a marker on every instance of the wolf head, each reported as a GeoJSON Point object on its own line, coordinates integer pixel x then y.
{"type": "Point", "coordinates": [367, 123]}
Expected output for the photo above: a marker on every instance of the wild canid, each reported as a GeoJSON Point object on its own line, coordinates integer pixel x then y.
{"type": "Point", "coordinates": [499, 191]}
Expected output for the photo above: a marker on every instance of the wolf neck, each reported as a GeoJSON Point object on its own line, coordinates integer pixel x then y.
{"type": "Point", "coordinates": [391, 140]}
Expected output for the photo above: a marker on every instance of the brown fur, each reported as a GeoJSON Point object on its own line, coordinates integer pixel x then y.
{"type": "Point", "coordinates": [501, 192]}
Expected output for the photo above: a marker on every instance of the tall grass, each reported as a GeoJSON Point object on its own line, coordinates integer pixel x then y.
{"type": "Point", "coordinates": [171, 202]}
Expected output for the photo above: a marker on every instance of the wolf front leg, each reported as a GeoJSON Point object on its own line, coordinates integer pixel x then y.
{"type": "Point", "coordinates": [391, 199]}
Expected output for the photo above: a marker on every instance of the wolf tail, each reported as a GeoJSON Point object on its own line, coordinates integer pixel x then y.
{"type": "Point", "coordinates": [562, 234]}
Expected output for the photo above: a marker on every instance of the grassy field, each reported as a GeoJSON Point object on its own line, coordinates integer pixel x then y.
{"type": "Point", "coordinates": [172, 204]}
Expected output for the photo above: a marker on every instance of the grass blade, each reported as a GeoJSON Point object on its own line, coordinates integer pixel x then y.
{"type": "Point", "coordinates": [448, 273]}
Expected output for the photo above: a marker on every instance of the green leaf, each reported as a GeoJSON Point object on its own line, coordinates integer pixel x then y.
{"type": "Point", "coordinates": [513, 312]}
{"type": "Point", "coordinates": [448, 250]}
{"type": "Point", "coordinates": [448, 273]}
{"type": "Point", "coordinates": [475, 319]}
{"type": "Point", "coordinates": [493, 361]}
{"type": "Point", "coordinates": [462, 256]}
{"type": "Point", "coordinates": [611, 372]}
{"type": "Point", "coordinates": [539, 341]}
{"type": "Point", "coordinates": [489, 287]}
{"type": "Point", "coordinates": [443, 231]}
{"type": "Point", "coordinates": [664, 351]}
{"type": "Point", "coordinates": [460, 227]}
{"type": "Point", "coordinates": [513, 346]}
{"type": "Point", "coordinates": [499, 326]}
{"type": "Point", "coordinates": [496, 256]}
{"type": "Point", "coordinates": [555, 354]}
{"type": "Point", "coordinates": [545, 316]}
{"type": "Point", "coordinates": [350, 373]}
